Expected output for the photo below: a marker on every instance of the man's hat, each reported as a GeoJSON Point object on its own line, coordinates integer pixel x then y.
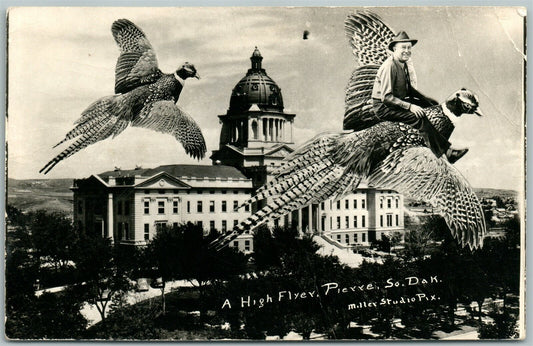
{"type": "Point", "coordinates": [401, 37]}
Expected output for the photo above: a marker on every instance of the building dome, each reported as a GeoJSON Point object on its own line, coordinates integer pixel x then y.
{"type": "Point", "coordinates": [256, 88]}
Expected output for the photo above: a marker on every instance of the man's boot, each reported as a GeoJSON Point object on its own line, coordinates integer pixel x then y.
{"type": "Point", "coordinates": [455, 154]}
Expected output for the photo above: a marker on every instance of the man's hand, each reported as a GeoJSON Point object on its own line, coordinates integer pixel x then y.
{"type": "Point", "coordinates": [419, 111]}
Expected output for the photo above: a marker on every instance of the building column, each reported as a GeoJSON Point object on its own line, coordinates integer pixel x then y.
{"type": "Point", "coordinates": [300, 220]}
{"type": "Point", "coordinates": [310, 218]}
{"type": "Point", "coordinates": [291, 133]}
{"type": "Point", "coordinates": [260, 129]}
{"type": "Point", "coordinates": [110, 218]}
{"type": "Point", "coordinates": [283, 130]}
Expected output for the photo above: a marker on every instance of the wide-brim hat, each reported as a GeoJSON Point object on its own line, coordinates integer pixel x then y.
{"type": "Point", "coordinates": [401, 37]}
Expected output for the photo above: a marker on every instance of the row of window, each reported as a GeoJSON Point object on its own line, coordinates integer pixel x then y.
{"type": "Point", "coordinates": [389, 203]}
{"type": "Point", "coordinates": [160, 224]}
{"type": "Point", "coordinates": [347, 222]}
{"type": "Point", "coordinates": [246, 245]}
{"type": "Point", "coordinates": [199, 207]}
{"type": "Point", "coordinates": [198, 192]}
{"type": "Point", "coordinates": [346, 204]}
{"type": "Point", "coordinates": [355, 238]}
{"type": "Point", "coordinates": [389, 220]}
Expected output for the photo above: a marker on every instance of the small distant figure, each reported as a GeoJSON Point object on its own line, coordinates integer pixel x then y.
{"type": "Point", "coordinates": [306, 34]}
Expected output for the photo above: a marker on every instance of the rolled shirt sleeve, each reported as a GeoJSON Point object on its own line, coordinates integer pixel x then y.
{"type": "Point", "coordinates": [383, 86]}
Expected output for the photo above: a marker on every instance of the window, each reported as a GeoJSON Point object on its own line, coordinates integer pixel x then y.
{"type": "Point", "coordinates": [355, 221]}
{"type": "Point", "coordinates": [127, 208]}
{"type": "Point", "coordinates": [127, 231]}
{"type": "Point", "coordinates": [355, 204]}
{"type": "Point", "coordinates": [389, 203]}
{"type": "Point", "coordinates": [174, 225]}
{"type": "Point", "coordinates": [200, 224]}
{"type": "Point", "coordinates": [355, 237]}
{"type": "Point", "coordinates": [381, 220]}
{"type": "Point", "coordinates": [211, 206]}
{"type": "Point", "coordinates": [146, 231]}
{"type": "Point", "coordinates": [224, 192]}
{"type": "Point", "coordinates": [175, 206]}
{"type": "Point", "coordinates": [363, 204]}
{"type": "Point", "coordinates": [120, 231]}
{"type": "Point", "coordinates": [247, 207]}
{"type": "Point", "coordinates": [339, 238]}
{"type": "Point", "coordinates": [160, 207]}
{"type": "Point", "coordinates": [397, 220]}
{"type": "Point", "coordinates": [235, 205]}
{"type": "Point", "coordinates": [363, 221]}
{"type": "Point", "coordinates": [338, 222]}
{"type": "Point", "coordinates": [338, 205]}
{"type": "Point", "coordinates": [322, 206]}
{"type": "Point", "coordinates": [188, 206]}
{"type": "Point", "coordinates": [235, 192]}
{"type": "Point", "coordinates": [199, 192]}
{"type": "Point", "coordinates": [235, 223]}
{"type": "Point", "coordinates": [346, 204]}
{"type": "Point", "coordinates": [381, 203]}
{"type": "Point", "coordinates": [224, 225]}
{"type": "Point", "coordinates": [347, 219]}
{"type": "Point", "coordinates": [199, 207]}
{"type": "Point", "coordinates": [235, 243]}
{"type": "Point", "coordinates": [364, 237]}
{"type": "Point", "coordinates": [80, 207]}
{"type": "Point", "coordinates": [347, 238]}
{"type": "Point", "coordinates": [161, 192]}
{"type": "Point", "coordinates": [224, 206]}
{"type": "Point", "coordinates": [146, 206]}
{"type": "Point", "coordinates": [389, 220]}
{"type": "Point", "coordinates": [397, 203]}
{"type": "Point", "coordinates": [146, 192]}
{"type": "Point", "coordinates": [119, 208]}
{"type": "Point", "coordinates": [160, 225]}
{"type": "Point", "coordinates": [211, 225]}
{"type": "Point", "coordinates": [247, 245]}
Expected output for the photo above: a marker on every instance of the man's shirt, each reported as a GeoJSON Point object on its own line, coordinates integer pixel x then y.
{"type": "Point", "coordinates": [391, 85]}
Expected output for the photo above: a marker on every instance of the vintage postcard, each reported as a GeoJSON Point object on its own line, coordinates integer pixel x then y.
{"type": "Point", "coordinates": [265, 173]}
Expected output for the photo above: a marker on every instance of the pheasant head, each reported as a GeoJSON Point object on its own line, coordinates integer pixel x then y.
{"type": "Point", "coordinates": [187, 70]}
{"type": "Point", "coordinates": [462, 102]}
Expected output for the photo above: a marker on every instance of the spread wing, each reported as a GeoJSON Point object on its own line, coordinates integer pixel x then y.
{"type": "Point", "coordinates": [167, 117]}
{"type": "Point", "coordinates": [369, 37]}
{"type": "Point", "coordinates": [137, 63]}
{"type": "Point", "coordinates": [417, 173]}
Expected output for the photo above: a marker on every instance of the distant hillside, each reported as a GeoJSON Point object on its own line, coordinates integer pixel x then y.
{"type": "Point", "coordinates": [487, 193]}
{"type": "Point", "coordinates": [34, 194]}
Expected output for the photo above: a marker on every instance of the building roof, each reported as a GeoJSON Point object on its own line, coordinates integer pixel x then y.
{"type": "Point", "coordinates": [197, 171]}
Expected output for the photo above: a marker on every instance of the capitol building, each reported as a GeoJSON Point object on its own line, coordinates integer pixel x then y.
{"type": "Point", "coordinates": [129, 206]}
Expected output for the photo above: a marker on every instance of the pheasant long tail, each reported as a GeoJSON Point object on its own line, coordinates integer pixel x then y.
{"type": "Point", "coordinates": [98, 122]}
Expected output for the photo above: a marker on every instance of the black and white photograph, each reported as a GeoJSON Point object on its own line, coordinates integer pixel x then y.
{"type": "Point", "coordinates": [265, 173]}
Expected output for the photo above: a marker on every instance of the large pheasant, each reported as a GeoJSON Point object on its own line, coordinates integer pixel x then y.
{"type": "Point", "coordinates": [144, 97]}
{"type": "Point", "coordinates": [386, 155]}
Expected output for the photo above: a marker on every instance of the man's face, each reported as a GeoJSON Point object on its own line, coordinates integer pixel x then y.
{"type": "Point", "coordinates": [402, 51]}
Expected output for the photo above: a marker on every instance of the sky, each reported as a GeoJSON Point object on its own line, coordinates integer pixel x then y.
{"type": "Point", "coordinates": [60, 60]}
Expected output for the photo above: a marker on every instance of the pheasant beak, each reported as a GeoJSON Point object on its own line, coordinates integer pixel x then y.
{"type": "Point", "coordinates": [479, 113]}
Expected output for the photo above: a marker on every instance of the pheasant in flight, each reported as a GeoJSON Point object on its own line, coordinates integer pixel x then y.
{"type": "Point", "coordinates": [387, 155]}
{"type": "Point", "coordinates": [144, 97]}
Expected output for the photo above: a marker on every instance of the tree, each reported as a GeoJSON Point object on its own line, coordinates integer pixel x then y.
{"type": "Point", "coordinates": [97, 265]}
{"type": "Point", "coordinates": [53, 237]}
{"type": "Point", "coordinates": [503, 327]}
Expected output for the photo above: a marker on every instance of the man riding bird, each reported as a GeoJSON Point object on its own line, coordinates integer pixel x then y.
{"type": "Point", "coordinates": [395, 99]}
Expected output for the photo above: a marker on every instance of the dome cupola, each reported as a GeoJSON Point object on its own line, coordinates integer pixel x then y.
{"type": "Point", "coordinates": [256, 88]}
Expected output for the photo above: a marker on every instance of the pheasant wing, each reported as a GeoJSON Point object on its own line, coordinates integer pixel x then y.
{"type": "Point", "coordinates": [167, 117]}
{"type": "Point", "coordinates": [417, 173]}
{"type": "Point", "coordinates": [369, 37]}
{"type": "Point", "coordinates": [137, 63]}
